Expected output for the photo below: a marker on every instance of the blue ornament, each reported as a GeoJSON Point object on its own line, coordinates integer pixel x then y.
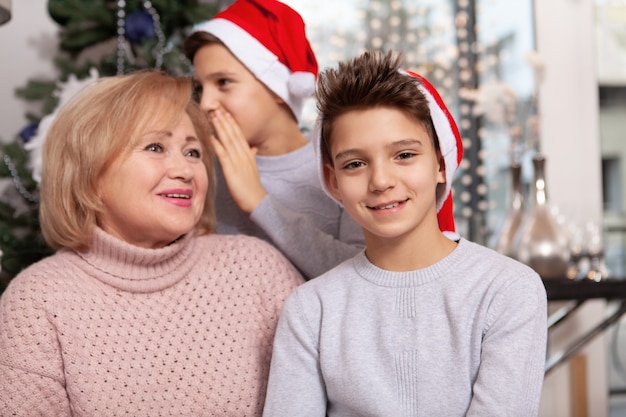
{"type": "Point", "coordinates": [139, 26]}
{"type": "Point", "coordinates": [27, 133]}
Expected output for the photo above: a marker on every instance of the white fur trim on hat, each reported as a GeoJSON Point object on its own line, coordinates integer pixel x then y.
{"type": "Point", "coordinates": [316, 137]}
{"type": "Point", "coordinates": [447, 141]}
{"type": "Point", "coordinates": [259, 60]}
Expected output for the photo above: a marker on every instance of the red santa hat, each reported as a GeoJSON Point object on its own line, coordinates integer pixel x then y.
{"type": "Point", "coordinates": [269, 38]}
{"type": "Point", "coordinates": [451, 146]}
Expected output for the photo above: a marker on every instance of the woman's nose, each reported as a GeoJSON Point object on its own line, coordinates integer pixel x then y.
{"type": "Point", "coordinates": [180, 167]}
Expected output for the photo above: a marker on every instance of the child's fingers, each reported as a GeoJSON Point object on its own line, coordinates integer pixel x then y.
{"type": "Point", "coordinates": [229, 132]}
{"type": "Point", "coordinates": [238, 163]}
{"type": "Point", "coordinates": [232, 148]}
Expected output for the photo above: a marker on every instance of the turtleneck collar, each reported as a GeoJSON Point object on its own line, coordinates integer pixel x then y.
{"type": "Point", "coordinates": [135, 269]}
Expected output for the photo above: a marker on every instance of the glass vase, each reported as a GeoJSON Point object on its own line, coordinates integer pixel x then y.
{"type": "Point", "coordinates": [506, 238]}
{"type": "Point", "coordinates": [542, 243]}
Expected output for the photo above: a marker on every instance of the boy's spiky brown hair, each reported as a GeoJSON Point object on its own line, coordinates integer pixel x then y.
{"type": "Point", "coordinates": [370, 80]}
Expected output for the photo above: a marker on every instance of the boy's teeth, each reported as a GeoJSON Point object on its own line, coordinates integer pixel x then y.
{"type": "Point", "coordinates": [388, 206]}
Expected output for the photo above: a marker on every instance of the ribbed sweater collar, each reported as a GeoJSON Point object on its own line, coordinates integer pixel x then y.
{"type": "Point", "coordinates": [385, 278]}
{"type": "Point", "coordinates": [135, 269]}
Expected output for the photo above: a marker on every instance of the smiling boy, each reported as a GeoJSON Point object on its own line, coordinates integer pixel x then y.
{"type": "Point", "coordinates": [419, 324]}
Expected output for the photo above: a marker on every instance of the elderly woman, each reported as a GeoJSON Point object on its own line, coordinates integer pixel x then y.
{"type": "Point", "coordinates": [142, 310]}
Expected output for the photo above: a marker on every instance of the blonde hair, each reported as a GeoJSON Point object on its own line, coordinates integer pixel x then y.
{"type": "Point", "coordinates": [95, 128]}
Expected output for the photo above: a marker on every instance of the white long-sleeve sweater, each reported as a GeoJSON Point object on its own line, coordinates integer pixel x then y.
{"type": "Point", "coordinates": [463, 337]}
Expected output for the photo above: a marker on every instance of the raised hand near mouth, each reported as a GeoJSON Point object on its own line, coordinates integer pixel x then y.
{"type": "Point", "coordinates": [238, 162]}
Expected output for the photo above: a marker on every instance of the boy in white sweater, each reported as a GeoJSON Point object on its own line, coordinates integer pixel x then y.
{"type": "Point", "coordinates": [254, 68]}
{"type": "Point", "coordinates": [421, 323]}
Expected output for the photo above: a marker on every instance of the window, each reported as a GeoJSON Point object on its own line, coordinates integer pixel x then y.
{"type": "Point", "coordinates": [438, 39]}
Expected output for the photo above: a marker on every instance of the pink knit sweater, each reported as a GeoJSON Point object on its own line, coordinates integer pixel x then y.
{"type": "Point", "coordinates": [181, 331]}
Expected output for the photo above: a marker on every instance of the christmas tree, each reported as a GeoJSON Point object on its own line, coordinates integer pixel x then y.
{"type": "Point", "coordinates": [97, 38]}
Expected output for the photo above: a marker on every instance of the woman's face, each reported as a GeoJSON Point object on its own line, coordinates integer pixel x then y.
{"type": "Point", "coordinates": [156, 193]}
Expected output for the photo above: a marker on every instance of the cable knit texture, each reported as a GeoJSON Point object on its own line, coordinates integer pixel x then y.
{"type": "Point", "coordinates": [185, 330]}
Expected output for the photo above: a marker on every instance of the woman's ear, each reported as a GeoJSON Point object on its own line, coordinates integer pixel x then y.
{"type": "Point", "coordinates": [331, 181]}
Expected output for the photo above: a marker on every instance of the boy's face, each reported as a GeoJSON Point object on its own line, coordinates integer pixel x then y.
{"type": "Point", "coordinates": [226, 83]}
{"type": "Point", "coordinates": [386, 171]}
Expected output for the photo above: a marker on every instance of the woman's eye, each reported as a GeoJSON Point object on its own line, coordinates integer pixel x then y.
{"type": "Point", "coordinates": [194, 153]}
{"type": "Point", "coordinates": [154, 147]}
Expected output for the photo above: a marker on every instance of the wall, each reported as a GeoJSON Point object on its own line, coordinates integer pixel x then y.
{"type": "Point", "coordinates": [571, 143]}
{"type": "Point", "coordinates": [27, 44]}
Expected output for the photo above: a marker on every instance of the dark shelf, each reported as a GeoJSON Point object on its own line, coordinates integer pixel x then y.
{"type": "Point", "coordinates": [577, 292]}
{"type": "Point", "coordinates": [566, 289]}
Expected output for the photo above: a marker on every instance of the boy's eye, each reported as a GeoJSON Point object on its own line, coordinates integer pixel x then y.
{"type": "Point", "coordinates": [154, 147]}
{"type": "Point", "coordinates": [353, 165]}
{"type": "Point", "coordinates": [405, 155]}
{"type": "Point", "coordinates": [223, 82]}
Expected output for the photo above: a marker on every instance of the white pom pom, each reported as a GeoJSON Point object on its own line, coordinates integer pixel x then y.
{"type": "Point", "coordinates": [301, 84]}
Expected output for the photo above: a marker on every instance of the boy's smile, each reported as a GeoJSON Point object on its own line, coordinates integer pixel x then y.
{"type": "Point", "coordinates": [386, 172]}
{"type": "Point", "coordinates": [388, 206]}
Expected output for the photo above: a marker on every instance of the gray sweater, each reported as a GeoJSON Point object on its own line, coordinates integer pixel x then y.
{"type": "Point", "coordinates": [463, 337]}
{"type": "Point", "coordinates": [297, 216]}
